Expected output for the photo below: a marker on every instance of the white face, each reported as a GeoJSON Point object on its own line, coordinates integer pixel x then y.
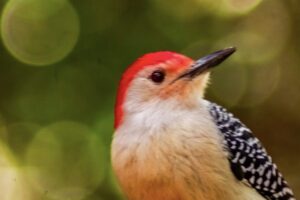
{"type": "Point", "coordinates": [155, 88]}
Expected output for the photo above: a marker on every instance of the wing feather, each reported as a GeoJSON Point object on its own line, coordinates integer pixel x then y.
{"type": "Point", "coordinates": [248, 155]}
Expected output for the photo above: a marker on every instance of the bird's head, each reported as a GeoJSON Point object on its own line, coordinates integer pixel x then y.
{"type": "Point", "coordinates": [164, 79]}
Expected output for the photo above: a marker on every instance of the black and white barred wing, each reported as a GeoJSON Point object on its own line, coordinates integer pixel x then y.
{"type": "Point", "coordinates": [248, 159]}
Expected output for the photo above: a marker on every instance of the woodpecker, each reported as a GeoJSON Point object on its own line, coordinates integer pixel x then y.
{"type": "Point", "coordinates": [172, 144]}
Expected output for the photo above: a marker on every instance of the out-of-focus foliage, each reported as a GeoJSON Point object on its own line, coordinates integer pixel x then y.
{"type": "Point", "coordinates": [60, 62]}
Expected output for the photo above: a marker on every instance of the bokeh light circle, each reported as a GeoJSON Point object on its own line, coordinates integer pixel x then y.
{"type": "Point", "coordinates": [19, 136]}
{"type": "Point", "coordinates": [66, 160]}
{"type": "Point", "coordinates": [237, 7]}
{"type": "Point", "coordinates": [39, 32]}
{"type": "Point", "coordinates": [192, 9]}
{"type": "Point", "coordinates": [262, 82]}
{"type": "Point", "coordinates": [228, 8]}
{"type": "Point", "coordinates": [13, 183]}
{"type": "Point", "coordinates": [257, 49]}
{"type": "Point", "coordinates": [259, 41]}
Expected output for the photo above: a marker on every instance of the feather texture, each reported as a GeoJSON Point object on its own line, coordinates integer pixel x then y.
{"type": "Point", "coordinates": [247, 152]}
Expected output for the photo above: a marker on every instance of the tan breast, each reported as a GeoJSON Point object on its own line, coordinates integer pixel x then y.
{"type": "Point", "coordinates": [182, 160]}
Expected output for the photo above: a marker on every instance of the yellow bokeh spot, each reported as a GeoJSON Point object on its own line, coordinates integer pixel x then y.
{"type": "Point", "coordinates": [13, 184]}
{"type": "Point", "coordinates": [66, 160]}
{"type": "Point", "coordinates": [191, 9]}
{"type": "Point", "coordinates": [258, 43]}
{"type": "Point", "coordinates": [39, 32]}
{"type": "Point", "coordinates": [236, 7]}
{"type": "Point", "coordinates": [229, 8]}
{"type": "Point", "coordinates": [262, 82]}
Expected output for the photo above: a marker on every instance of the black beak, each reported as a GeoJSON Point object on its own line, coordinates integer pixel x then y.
{"type": "Point", "coordinates": [207, 62]}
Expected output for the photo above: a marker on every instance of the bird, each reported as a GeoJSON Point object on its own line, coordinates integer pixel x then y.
{"type": "Point", "coordinates": [170, 143]}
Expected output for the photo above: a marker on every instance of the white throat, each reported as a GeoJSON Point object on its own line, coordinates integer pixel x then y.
{"type": "Point", "coordinates": [158, 114]}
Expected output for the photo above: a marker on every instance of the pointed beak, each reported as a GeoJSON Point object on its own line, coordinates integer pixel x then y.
{"type": "Point", "coordinates": [207, 62]}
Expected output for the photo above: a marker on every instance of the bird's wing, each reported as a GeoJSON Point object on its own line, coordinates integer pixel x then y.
{"type": "Point", "coordinates": [248, 159]}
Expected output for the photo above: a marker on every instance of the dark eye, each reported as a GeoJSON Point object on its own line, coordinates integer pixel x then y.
{"type": "Point", "coordinates": [157, 76]}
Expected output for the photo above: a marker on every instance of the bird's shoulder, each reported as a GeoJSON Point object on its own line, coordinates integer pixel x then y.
{"type": "Point", "coordinates": [248, 159]}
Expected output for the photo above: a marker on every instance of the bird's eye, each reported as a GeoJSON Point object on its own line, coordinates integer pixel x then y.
{"type": "Point", "coordinates": [157, 76]}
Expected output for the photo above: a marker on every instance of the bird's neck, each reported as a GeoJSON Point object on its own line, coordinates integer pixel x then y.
{"type": "Point", "coordinates": [156, 115]}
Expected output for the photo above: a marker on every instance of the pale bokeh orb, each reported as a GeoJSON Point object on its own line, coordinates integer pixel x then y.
{"type": "Point", "coordinates": [65, 160]}
{"type": "Point", "coordinates": [259, 41]}
{"type": "Point", "coordinates": [237, 7]}
{"type": "Point", "coordinates": [13, 184]}
{"type": "Point", "coordinates": [262, 82]}
{"type": "Point", "coordinates": [192, 9]}
{"type": "Point", "coordinates": [39, 32]}
{"type": "Point", "coordinates": [230, 8]}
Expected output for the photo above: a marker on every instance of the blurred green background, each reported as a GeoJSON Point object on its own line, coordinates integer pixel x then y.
{"type": "Point", "coordinates": [60, 62]}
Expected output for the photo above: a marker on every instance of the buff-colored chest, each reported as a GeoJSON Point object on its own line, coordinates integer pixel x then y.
{"type": "Point", "coordinates": [179, 160]}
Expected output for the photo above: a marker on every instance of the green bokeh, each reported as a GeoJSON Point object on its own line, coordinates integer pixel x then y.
{"type": "Point", "coordinates": [56, 121]}
{"type": "Point", "coordinates": [39, 32]}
